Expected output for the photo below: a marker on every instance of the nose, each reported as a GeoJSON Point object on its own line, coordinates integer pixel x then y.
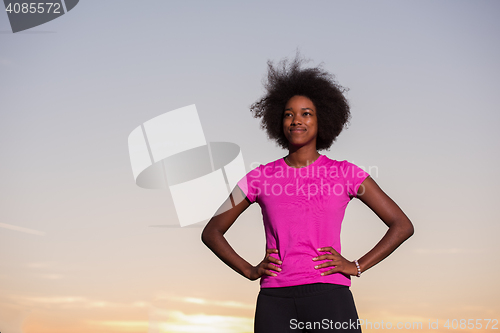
{"type": "Point", "coordinates": [296, 120]}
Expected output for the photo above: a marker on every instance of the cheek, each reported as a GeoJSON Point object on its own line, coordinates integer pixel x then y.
{"type": "Point", "coordinates": [313, 123]}
{"type": "Point", "coordinates": [316, 129]}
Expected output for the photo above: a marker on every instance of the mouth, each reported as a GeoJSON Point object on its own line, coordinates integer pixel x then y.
{"type": "Point", "coordinates": [298, 130]}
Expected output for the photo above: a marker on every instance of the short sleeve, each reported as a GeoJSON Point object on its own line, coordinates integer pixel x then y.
{"type": "Point", "coordinates": [354, 176]}
{"type": "Point", "coordinates": [249, 184]}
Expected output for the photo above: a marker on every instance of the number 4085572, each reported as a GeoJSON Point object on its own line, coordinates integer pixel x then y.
{"type": "Point", "coordinates": [33, 8]}
{"type": "Point", "coordinates": [471, 324]}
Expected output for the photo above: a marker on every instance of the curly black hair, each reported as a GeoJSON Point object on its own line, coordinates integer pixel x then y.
{"type": "Point", "coordinates": [286, 80]}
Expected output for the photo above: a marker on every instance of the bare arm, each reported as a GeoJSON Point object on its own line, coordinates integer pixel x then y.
{"type": "Point", "coordinates": [400, 226]}
{"type": "Point", "coordinates": [400, 229]}
{"type": "Point", "coordinates": [213, 237]}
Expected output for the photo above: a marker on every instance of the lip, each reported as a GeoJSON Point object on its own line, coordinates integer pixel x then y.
{"type": "Point", "coordinates": [300, 129]}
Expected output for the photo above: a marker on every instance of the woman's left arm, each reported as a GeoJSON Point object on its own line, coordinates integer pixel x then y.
{"type": "Point", "coordinates": [400, 229]}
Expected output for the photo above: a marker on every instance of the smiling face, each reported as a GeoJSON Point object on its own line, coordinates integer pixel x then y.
{"type": "Point", "coordinates": [300, 123]}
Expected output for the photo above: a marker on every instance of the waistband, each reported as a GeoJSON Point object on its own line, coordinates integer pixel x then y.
{"type": "Point", "coordinates": [301, 290]}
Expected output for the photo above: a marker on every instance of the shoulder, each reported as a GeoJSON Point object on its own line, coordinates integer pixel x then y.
{"type": "Point", "coordinates": [344, 169]}
{"type": "Point", "coordinates": [250, 183]}
{"type": "Point", "coordinates": [349, 166]}
{"type": "Point", "coordinates": [328, 162]}
{"type": "Point", "coordinates": [275, 163]}
{"type": "Point", "coordinates": [333, 166]}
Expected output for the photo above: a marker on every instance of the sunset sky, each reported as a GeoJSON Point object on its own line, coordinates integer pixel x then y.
{"type": "Point", "coordinates": [84, 249]}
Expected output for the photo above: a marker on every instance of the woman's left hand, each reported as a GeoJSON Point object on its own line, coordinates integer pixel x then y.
{"type": "Point", "coordinates": [339, 263]}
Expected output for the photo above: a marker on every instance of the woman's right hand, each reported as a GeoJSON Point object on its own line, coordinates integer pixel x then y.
{"type": "Point", "coordinates": [265, 267]}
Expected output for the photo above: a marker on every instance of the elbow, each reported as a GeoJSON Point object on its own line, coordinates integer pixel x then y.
{"type": "Point", "coordinates": [205, 236]}
{"type": "Point", "coordinates": [403, 229]}
{"type": "Point", "coordinates": [208, 235]}
{"type": "Point", "coordinates": [409, 230]}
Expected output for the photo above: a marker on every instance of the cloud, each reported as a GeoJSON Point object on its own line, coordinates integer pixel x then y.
{"type": "Point", "coordinates": [63, 302]}
{"type": "Point", "coordinates": [201, 301]}
{"type": "Point", "coordinates": [73, 302]}
{"type": "Point", "coordinates": [164, 321]}
{"type": "Point", "coordinates": [123, 325]}
{"type": "Point", "coordinates": [55, 300]}
{"type": "Point", "coordinates": [21, 229]}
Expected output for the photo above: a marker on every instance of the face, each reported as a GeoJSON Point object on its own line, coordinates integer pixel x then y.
{"type": "Point", "coordinates": [300, 123]}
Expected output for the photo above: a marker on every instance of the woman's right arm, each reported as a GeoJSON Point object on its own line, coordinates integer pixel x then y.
{"type": "Point", "coordinates": [213, 237]}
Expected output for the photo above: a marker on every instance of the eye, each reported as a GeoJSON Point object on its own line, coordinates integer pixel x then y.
{"type": "Point", "coordinates": [307, 112]}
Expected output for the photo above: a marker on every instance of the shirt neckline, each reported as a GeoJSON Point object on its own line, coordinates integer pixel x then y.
{"type": "Point", "coordinates": [304, 167]}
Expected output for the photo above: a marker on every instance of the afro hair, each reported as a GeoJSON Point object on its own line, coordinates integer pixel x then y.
{"type": "Point", "coordinates": [288, 79]}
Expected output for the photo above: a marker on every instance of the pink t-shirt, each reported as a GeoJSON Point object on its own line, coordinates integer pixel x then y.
{"type": "Point", "coordinates": [302, 209]}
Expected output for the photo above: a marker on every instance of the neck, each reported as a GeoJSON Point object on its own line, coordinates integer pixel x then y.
{"type": "Point", "coordinates": [301, 158]}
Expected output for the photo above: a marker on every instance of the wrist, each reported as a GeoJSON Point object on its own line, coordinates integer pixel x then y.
{"type": "Point", "coordinates": [358, 268]}
{"type": "Point", "coordinates": [248, 272]}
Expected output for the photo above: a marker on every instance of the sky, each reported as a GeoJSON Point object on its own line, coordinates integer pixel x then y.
{"type": "Point", "coordinates": [83, 248]}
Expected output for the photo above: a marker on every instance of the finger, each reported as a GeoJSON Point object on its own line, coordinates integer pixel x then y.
{"type": "Point", "coordinates": [269, 251]}
{"type": "Point", "coordinates": [326, 264]}
{"type": "Point", "coordinates": [325, 249]}
{"type": "Point", "coordinates": [274, 260]}
{"type": "Point", "coordinates": [271, 266]}
{"type": "Point", "coordinates": [268, 272]}
{"type": "Point", "coordinates": [331, 271]}
{"type": "Point", "coordinates": [328, 249]}
{"type": "Point", "coordinates": [324, 257]}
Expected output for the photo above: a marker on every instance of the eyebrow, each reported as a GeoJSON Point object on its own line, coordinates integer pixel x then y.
{"type": "Point", "coordinates": [301, 109]}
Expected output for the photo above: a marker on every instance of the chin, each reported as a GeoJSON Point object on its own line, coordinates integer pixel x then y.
{"type": "Point", "coordinates": [296, 144]}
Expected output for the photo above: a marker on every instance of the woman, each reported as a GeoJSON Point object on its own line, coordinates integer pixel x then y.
{"type": "Point", "coordinates": [304, 278]}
